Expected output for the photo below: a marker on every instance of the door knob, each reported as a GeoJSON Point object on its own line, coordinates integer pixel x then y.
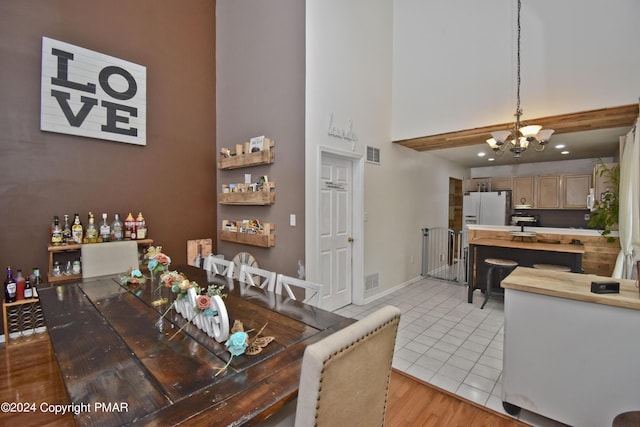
{"type": "Point", "coordinates": [350, 239]}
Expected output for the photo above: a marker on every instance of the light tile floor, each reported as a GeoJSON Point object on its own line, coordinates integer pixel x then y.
{"type": "Point", "coordinates": [444, 340]}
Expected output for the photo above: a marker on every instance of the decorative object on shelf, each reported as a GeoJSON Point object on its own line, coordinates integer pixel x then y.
{"type": "Point", "coordinates": [239, 343]}
{"type": "Point", "coordinates": [520, 137]}
{"type": "Point", "coordinates": [248, 232]}
{"type": "Point", "coordinates": [247, 155]}
{"type": "Point", "coordinates": [606, 206]}
{"type": "Point", "coordinates": [156, 260]}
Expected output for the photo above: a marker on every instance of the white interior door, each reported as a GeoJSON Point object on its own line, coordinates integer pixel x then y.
{"type": "Point", "coordinates": [336, 206]}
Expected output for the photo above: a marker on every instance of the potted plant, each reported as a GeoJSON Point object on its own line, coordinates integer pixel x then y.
{"type": "Point", "coordinates": [604, 215]}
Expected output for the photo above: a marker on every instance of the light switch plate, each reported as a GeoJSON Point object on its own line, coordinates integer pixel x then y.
{"type": "Point", "coordinates": [292, 220]}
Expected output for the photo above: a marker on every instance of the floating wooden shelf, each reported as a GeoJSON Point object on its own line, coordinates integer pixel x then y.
{"type": "Point", "coordinates": [265, 240]}
{"type": "Point", "coordinates": [261, 197]}
{"type": "Point", "coordinates": [264, 157]}
{"type": "Point", "coordinates": [76, 248]}
{"type": "Point", "coordinates": [262, 240]}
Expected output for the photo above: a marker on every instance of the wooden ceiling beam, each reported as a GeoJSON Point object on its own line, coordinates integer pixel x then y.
{"type": "Point", "coordinates": [603, 118]}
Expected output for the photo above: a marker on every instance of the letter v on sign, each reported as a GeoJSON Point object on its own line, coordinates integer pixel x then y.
{"type": "Point", "coordinates": [74, 119]}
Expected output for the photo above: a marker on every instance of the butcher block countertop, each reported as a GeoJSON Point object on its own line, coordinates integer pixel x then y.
{"type": "Point", "coordinates": [536, 246]}
{"type": "Point", "coordinates": [573, 286]}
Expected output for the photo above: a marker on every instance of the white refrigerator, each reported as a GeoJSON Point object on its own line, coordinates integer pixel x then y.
{"type": "Point", "coordinates": [487, 208]}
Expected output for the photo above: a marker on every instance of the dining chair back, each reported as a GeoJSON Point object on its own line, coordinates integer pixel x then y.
{"type": "Point", "coordinates": [313, 291]}
{"type": "Point", "coordinates": [219, 266]}
{"type": "Point", "coordinates": [259, 277]}
{"type": "Point", "coordinates": [345, 376]}
{"type": "Point", "coordinates": [99, 259]}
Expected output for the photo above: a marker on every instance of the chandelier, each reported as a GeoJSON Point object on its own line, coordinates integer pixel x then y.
{"type": "Point", "coordinates": [520, 137]}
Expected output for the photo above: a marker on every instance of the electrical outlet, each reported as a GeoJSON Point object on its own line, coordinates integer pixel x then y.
{"type": "Point", "coordinates": [441, 257]}
{"type": "Point", "coordinates": [587, 217]}
{"type": "Point", "coordinates": [411, 259]}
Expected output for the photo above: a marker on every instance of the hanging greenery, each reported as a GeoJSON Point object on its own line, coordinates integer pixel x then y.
{"type": "Point", "coordinates": [604, 216]}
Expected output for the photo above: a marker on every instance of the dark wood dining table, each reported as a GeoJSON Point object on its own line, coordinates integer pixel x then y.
{"type": "Point", "coordinates": [122, 365]}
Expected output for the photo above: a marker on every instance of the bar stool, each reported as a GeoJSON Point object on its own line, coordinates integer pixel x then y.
{"type": "Point", "coordinates": [503, 266]}
{"type": "Point", "coordinates": [552, 267]}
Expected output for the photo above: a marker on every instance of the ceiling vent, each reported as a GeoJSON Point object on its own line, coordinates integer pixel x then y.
{"type": "Point", "coordinates": [373, 155]}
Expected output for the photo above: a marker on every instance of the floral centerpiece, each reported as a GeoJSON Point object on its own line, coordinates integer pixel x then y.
{"type": "Point", "coordinates": [157, 261]}
{"type": "Point", "coordinates": [239, 343]}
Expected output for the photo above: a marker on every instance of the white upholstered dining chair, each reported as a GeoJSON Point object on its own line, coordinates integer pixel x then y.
{"type": "Point", "coordinates": [219, 266]}
{"type": "Point", "coordinates": [99, 259]}
{"type": "Point", "coordinates": [259, 277]}
{"type": "Point", "coordinates": [313, 291]}
{"type": "Point", "coordinates": [345, 376]}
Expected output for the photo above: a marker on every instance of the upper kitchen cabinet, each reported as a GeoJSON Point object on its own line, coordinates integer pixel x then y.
{"type": "Point", "coordinates": [498, 184]}
{"type": "Point", "coordinates": [548, 192]}
{"type": "Point", "coordinates": [575, 189]}
{"type": "Point", "coordinates": [523, 191]}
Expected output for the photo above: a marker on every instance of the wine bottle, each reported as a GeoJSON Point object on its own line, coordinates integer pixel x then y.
{"type": "Point", "coordinates": [20, 283]}
{"type": "Point", "coordinates": [67, 237]}
{"type": "Point", "coordinates": [117, 229]}
{"type": "Point", "coordinates": [9, 287]}
{"type": "Point", "coordinates": [77, 230]}
{"type": "Point", "coordinates": [105, 229]}
{"type": "Point", "coordinates": [37, 281]}
{"type": "Point", "coordinates": [56, 233]}
{"type": "Point", "coordinates": [28, 290]}
{"type": "Point", "coordinates": [92, 232]}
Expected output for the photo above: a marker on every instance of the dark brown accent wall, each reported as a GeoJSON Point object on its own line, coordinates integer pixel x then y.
{"type": "Point", "coordinates": [261, 91]}
{"type": "Point", "coordinates": [172, 179]}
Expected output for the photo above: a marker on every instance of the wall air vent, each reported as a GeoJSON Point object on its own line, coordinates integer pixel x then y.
{"type": "Point", "coordinates": [373, 155]}
{"type": "Point", "coordinates": [371, 282]}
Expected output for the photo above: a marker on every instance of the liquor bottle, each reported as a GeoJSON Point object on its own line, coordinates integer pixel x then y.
{"type": "Point", "coordinates": [37, 281]}
{"type": "Point", "coordinates": [77, 231]}
{"type": "Point", "coordinates": [141, 227]}
{"type": "Point", "coordinates": [117, 228]}
{"type": "Point", "coordinates": [105, 229]}
{"type": "Point", "coordinates": [9, 287]}
{"type": "Point", "coordinates": [67, 237]}
{"type": "Point", "coordinates": [92, 232]}
{"type": "Point", "coordinates": [28, 290]}
{"type": "Point", "coordinates": [20, 283]}
{"type": "Point", "coordinates": [129, 227]}
{"type": "Point", "coordinates": [56, 233]}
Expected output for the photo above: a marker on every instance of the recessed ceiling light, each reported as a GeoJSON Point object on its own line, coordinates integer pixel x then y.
{"type": "Point", "coordinates": [491, 159]}
{"type": "Point", "coordinates": [559, 146]}
{"type": "Point", "coordinates": [564, 152]}
{"type": "Point", "coordinates": [481, 154]}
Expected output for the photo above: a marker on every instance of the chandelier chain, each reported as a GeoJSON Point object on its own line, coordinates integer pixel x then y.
{"type": "Point", "coordinates": [518, 111]}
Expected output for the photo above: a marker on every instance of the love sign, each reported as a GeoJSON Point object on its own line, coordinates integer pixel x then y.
{"type": "Point", "coordinates": [90, 94]}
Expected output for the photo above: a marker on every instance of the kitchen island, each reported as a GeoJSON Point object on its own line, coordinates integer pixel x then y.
{"type": "Point", "coordinates": [525, 253]}
{"type": "Point", "coordinates": [569, 354]}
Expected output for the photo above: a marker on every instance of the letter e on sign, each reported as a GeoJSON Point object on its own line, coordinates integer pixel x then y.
{"type": "Point", "coordinates": [86, 93]}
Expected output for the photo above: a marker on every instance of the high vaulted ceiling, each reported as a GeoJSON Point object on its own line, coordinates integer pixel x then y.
{"type": "Point", "coordinates": [592, 133]}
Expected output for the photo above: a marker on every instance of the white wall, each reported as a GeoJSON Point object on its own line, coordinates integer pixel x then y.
{"type": "Point", "coordinates": [349, 64]}
{"type": "Point", "coordinates": [454, 61]}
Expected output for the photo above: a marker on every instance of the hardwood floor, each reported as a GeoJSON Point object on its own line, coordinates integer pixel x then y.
{"type": "Point", "coordinates": [413, 402]}
{"type": "Point", "coordinates": [29, 373]}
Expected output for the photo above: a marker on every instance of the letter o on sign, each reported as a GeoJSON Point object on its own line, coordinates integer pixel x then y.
{"type": "Point", "coordinates": [107, 72]}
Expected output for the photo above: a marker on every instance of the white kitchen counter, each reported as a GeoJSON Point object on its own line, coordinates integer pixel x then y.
{"type": "Point", "coordinates": [569, 354]}
{"type": "Point", "coordinates": [541, 230]}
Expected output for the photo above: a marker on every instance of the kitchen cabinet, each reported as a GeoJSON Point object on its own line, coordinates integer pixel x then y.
{"type": "Point", "coordinates": [477, 184]}
{"type": "Point", "coordinates": [523, 190]}
{"type": "Point", "coordinates": [548, 192]}
{"type": "Point", "coordinates": [498, 184]}
{"type": "Point", "coordinates": [575, 189]}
